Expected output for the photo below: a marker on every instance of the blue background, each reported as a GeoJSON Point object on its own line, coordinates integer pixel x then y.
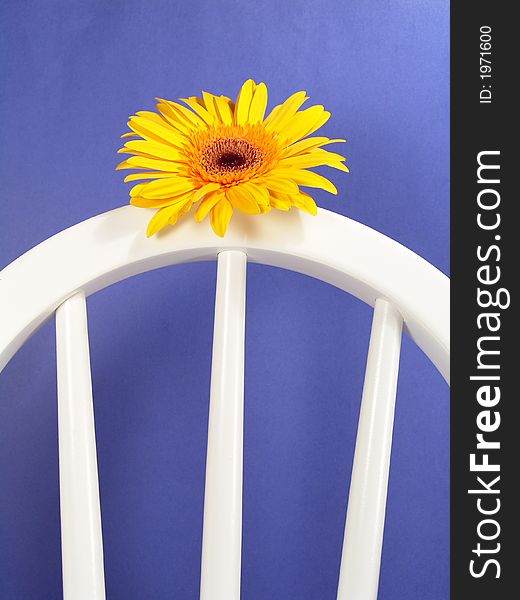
{"type": "Point", "coordinates": [72, 73]}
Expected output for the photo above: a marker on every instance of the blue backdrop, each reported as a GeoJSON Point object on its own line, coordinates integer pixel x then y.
{"type": "Point", "coordinates": [73, 71]}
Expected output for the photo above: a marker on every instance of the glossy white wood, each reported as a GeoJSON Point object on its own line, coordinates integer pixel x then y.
{"type": "Point", "coordinates": [222, 532]}
{"type": "Point", "coordinates": [363, 541]}
{"type": "Point", "coordinates": [330, 247]}
{"type": "Point", "coordinates": [81, 539]}
{"type": "Point", "coordinates": [57, 275]}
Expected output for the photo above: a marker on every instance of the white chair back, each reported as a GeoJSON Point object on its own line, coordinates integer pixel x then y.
{"type": "Point", "coordinates": [56, 276]}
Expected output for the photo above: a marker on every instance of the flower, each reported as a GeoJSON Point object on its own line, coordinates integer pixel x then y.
{"type": "Point", "coordinates": [224, 155]}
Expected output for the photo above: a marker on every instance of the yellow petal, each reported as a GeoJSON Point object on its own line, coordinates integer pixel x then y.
{"type": "Point", "coordinates": [143, 162]}
{"type": "Point", "coordinates": [160, 119]}
{"type": "Point", "coordinates": [280, 201]}
{"type": "Point", "coordinates": [177, 122]}
{"type": "Point", "coordinates": [244, 102]}
{"type": "Point", "coordinates": [305, 202]}
{"type": "Point", "coordinates": [163, 216]}
{"type": "Point", "coordinates": [303, 123]}
{"type": "Point", "coordinates": [241, 199]}
{"type": "Point", "coordinates": [151, 116]}
{"type": "Point", "coordinates": [160, 203]}
{"type": "Point", "coordinates": [220, 216]}
{"type": "Point", "coordinates": [281, 113]}
{"type": "Point", "coordinates": [326, 153]}
{"type": "Point", "coordinates": [198, 106]}
{"type": "Point", "coordinates": [315, 159]}
{"type": "Point", "coordinates": [304, 145]}
{"type": "Point", "coordinates": [187, 206]}
{"type": "Point", "coordinates": [307, 145]}
{"type": "Point", "coordinates": [153, 149]}
{"type": "Point", "coordinates": [149, 175]}
{"type": "Point", "coordinates": [207, 204]}
{"type": "Point", "coordinates": [135, 191]}
{"type": "Point", "coordinates": [205, 189]}
{"type": "Point", "coordinates": [211, 105]}
{"type": "Point", "coordinates": [259, 193]}
{"type": "Point", "coordinates": [179, 116]}
{"type": "Point", "coordinates": [279, 184]}
{"type": "Point", "coordinates": [156, 132]}
{"type": "Point", "coordinates": [258, 104]}
{"type": "Point", "coordinates": [164, 188]}
{"type": "Point", "coordinates": [307, 178]}
{"type": "Point", "coordinates": [340, 166]}
{"type": "Point", "coordinates": [124, 165]}
{"type": "Point", "coordinates": [225, 108]}
{"type": "Point", "coordinates": [274, 114]}
{"type": "Point", "coordinates": [320, 121]}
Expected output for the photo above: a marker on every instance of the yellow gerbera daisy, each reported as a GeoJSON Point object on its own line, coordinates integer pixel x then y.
{"type": "Point", "coordinates": [224, 155]}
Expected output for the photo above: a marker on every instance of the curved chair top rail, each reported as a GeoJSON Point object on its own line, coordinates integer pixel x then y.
{"type": "Point", "coordinates": [112, 246]}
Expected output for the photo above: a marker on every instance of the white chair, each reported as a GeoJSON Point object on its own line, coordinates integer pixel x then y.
{"type": "Point", "coordinates": [56, 276]}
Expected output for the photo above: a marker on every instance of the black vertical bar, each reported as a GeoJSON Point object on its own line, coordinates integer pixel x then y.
{"type": "Point", "coordinates": [485, 257]}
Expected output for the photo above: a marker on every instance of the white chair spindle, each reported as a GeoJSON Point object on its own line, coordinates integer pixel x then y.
{"type": "Point", "coordinates": [363, 541]}
{"type": "Point", "coordinates": [222, 531]}
{"type": "Point", "coordinates": [81, 537]}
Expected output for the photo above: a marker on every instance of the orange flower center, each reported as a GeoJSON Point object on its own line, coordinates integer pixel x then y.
{"type": "Point", "coordinates": [231, 154]}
